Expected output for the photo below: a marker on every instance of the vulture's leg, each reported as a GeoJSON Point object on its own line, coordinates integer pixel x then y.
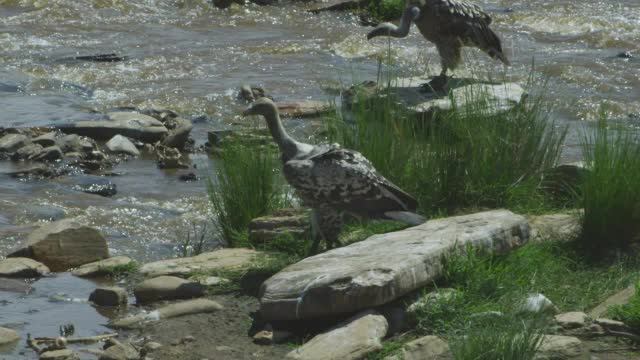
{"type": "Point", "coordinates": [316, 232]}
{"type": "Point", "coordinates": [331, 222]}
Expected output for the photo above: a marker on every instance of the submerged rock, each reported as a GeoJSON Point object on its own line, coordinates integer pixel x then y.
{"type": "Point", "coordinates": [26, 152]}
{"type": "Point", "coordinates": [383, 267]}
{"type": "Point", "coordinates": [76, 143]}
{"type": "Point", "coordinates": [167, 288]}
{"type": "Point", "coordinates": [352, 339]}
{"type": "Point", "coordinates": [64, 244]}
{"type": "Point", "coordinates": [19, 267]}
{"type": "Point", "coordinates": [96, 185]}
{"type": "Point", "coordinates": [109, 296]}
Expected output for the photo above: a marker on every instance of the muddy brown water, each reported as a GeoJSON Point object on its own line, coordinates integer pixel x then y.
{"type": "Point", "coordinates": [190, 57]}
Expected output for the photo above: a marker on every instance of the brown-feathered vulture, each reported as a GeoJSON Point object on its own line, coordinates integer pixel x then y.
{"type": "Point", "coordinates": [332, 180]}
{"type": "Point", "coordinates": [450, 25]}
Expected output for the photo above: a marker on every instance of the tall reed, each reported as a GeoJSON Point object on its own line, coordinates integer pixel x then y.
{"type": "Point", "coordinates": [611, 190]}
{"type": "Point", "coordinates": [245, 184]}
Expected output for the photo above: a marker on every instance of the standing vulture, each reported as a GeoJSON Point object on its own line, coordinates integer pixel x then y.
{"type": "Point", "coordinates": [450, 25]}
{"type": "Point", "coordinates": [332, 180]}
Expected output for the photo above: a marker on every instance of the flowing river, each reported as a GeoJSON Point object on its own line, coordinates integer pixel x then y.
{"type": "Point", "coordinates": [188, 56]}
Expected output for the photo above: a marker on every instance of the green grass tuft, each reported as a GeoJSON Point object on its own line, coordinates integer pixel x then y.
{"type": "Point", "coordinates": [472, 156]}
{"type": "Point", "coordinates": [611, 191]}
{"type": "Point", "coordinates": [246, 184]}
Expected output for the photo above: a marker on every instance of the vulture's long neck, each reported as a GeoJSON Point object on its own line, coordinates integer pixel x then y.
{"type": "Point", "coordinates": [287, 145]}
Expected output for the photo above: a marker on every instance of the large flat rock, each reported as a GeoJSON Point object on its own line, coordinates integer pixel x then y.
{"type": "Point", "coordinates": [188, 307]}
{"type": "Point", "coordinates": [384, 267]}
{"type": "Point", "coordinates": [227, 259]}
{"type": "Point", "coordinates": [130, 124]}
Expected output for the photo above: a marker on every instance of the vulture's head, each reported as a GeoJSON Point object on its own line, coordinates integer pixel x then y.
{"type": "Point", "coordinates": [263, 106]}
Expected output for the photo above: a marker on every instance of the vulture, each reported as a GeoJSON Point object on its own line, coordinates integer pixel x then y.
{"type": "Point", "coordinates": [333, 181]}
{"type": "Point", "coordinates": [450, 25]}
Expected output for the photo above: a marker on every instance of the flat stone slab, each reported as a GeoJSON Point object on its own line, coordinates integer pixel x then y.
{"type": "Point", "coordinates": [174, 310]}
{"type": "Point", "coordinates": [227, 259]}
{"type": "Point", "coordinates": [619, 298]}
{"type": "Point", "coordinates": [554, 227]}
{"type": "Point", "coordinates": [352, 339]}
{"type": "Point", "coordinates": [130, 124]}
{"type": "Point", "coordinates": [304, 108]}
{"type": "Point", "coordinates": [167, 288]}
{"type": "Point", "coordinates": [22, 268]}
{"type": "Point", "coordinates": [572, 320]}
{"type": "Point", "coordinates": [384, 267]}
{"type": "Point", "coordinates": [499, 97]}
{"type": "Point", "coordinates": [560, 347]}
{"type": "Point", "coordinates": [102, 267]}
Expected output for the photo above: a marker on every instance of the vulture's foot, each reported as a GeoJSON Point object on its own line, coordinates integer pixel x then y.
{"type": "Point", "coordinates": [437, 84]}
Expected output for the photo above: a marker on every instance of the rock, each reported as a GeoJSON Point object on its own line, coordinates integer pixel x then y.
{"type": "Point", "coordinates": [572, 320]}
{"type": "Point", "coordinates": [50, 153]}
{"type": "Point", "coordinates": [427, 347]}
{"type": "Point", "coordinates": [559, 347]}
{"type": "Point", "coordinates": [383, 267]}
{"type": "Point", "coordinates": [130, 124]}
{"type": "Point", "coordinates": [103, 267]}
{"type": "Point", "coordinates": [109, 296]}
{"type": "Point", "coordinates": [167, 288]}
{"type": "Point", "coordinates": [14, 285]}
{"type": "Point", "coordinates": [554, 227]}
{"type": "Point", "coordinates": [8, 336]}
{"type": "Point", "coordinates": [536, 303]}
{"type": "Point", "coordinates": [355, 94]}
{"type": "Point", "coordinates": [619, 298]}
{"type": "Point", "coordinates": [292, 221]}
{"type": "Point", "coordinates": [213, 281]}
{"type": "Point", "coordinates": [95, 185]}
{"type": "Point", "coordinates": [12, 142]}
{"type": "Point", "coordinates": [178, 134]}
{"type": "Point", "coordinates": [427, 301]}
{"type": "Point", "coordinates": [500, 98]}
{"type": "Point", "coordinates": [36, 171]}
{"type": "Point", "coordinates": [46, 139]}
{"type": "Point", "coordinates": [188, 339]}
{"type": "Point", "coordinates": [174, 310]}
{"type": "Point", "coordinates": [64, 244]}
{"type": "Point", "coordinates": [304, 108]}
{"type": "Point", "coordinates": [44, 213]}
{"type": "Point", "coordinates": [64, 354]}
{"type": "Point", "coordinates": [562, 181]}
{"type": "Point", "coordinates": [26, 152]}
{"type": "Point", "coordinates": [612, 325]}
{"type": "Point", "coordinates": [75, 143]}
{"type": "Point", "coordinates": [22, 268]}
{"type": "Point", "coordinates": [264, 337]}
{"type": "Point", "coordinates": [120, 144]}
{"type": "Point", "coordinates": [352, 339]}
{"type": "Point", "coordinates": [224, 259]}
{"type": "Point", "coordinates": [152, 346]}
{"type": "Point", "coordinates": [169, 158]}
{"type": "Point", "coordinates": [187, 175]}
{"type": "Point", "coordinates": [116, 350]}
{"type": "Point", "coordinates": [625, 55]}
